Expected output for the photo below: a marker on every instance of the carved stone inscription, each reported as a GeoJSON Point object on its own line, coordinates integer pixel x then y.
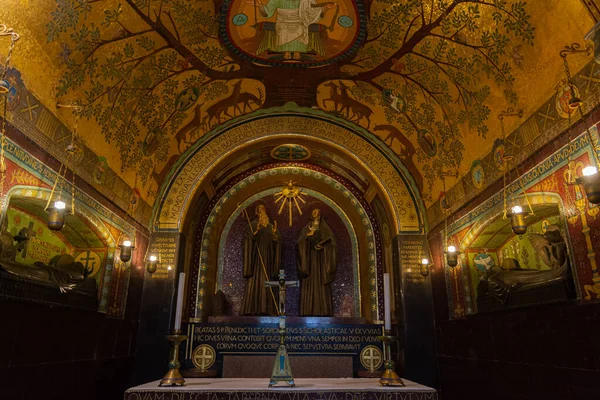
{"type": "Point", "coordinates": [420, 393]}
{"type": "Point", "coordinates": [165, 245]}
{"type": "Point", "coordinates": [413, 248]}
{"type": "Point", "coordinates": [235, 338]}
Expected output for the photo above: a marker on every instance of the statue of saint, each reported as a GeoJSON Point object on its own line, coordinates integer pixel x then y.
{"type": "Point", "coordinates": [262, 261]}
{"type": "Point", "coordinates": [317, 262]}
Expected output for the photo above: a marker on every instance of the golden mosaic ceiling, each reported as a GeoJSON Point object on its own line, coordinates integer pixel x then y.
{"type": "Point", "coordinates": [429, 78]}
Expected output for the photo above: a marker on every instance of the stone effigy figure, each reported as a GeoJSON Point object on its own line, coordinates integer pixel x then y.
{"type": "Point", "coordinates": [62, 272]}
{"type": "Point", "coordinates": [262, 261]}
{"type": "Point", "coordinates": [317, 262]}
{"type": "Point", "coordinates": [552, 250]}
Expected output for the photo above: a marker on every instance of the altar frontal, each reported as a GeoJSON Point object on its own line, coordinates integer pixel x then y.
{"type": "Point", "coordinates": [306, 389]}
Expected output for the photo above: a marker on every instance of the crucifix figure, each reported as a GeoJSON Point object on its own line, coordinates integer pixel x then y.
{"type": "Point", "coordinates": [23, 238]}
{"type": "Point", "coordinates": [282, 371]}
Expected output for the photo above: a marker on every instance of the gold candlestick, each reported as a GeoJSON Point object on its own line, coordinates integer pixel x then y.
{"type": "Point", "coordinates": [389, 377]}
{"type": "Point", "coordinates": [173, 377]}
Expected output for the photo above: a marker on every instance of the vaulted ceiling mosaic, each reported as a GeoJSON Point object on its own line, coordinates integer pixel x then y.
{"type": "Point", "coordinates": [427, 77]}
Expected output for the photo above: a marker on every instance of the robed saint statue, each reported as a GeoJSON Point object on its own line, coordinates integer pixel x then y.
{"type": "Point", "coordinates": [317, 263]}
{"type": "Point", "coordinates": [262, 261]}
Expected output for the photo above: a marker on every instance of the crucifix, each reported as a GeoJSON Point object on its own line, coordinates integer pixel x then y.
{"type": "Point", "coordinates": [23, 238]}
{"type": "Point", "coordinates": [282, 370]}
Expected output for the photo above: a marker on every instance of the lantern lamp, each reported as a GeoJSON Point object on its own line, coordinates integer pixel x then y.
{"type": "Point", "coordinates": [517, 220]}
{"type": "Point", "coordinates": [452, 256]}
{"type": "Point", "coordinates": [126, 250]}
{"type": "Point", "coordinates": [591, 184]}
{"type": "Point", "coordinates": [56, 216]}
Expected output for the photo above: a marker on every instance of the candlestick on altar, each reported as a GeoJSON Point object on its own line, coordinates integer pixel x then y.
{"type": "Point", "coordinates": [173, 376]}
{"type": "Point", "coordinates": [179, 304]}
{"type": "Point", "coordinates": [387, 302]}
{"type": "Point", "coordinates": [389, 377]}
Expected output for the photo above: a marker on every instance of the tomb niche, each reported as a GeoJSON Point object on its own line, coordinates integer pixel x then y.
{"type": "Point", "coordinates": [507, 270]}
{"type": "Point", "coordinates": [64, 268]}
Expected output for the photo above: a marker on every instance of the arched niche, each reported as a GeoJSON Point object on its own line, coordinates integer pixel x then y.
{"type": "Point", "coordinates": [392, 181]}
{"type": "Point", "coordinates": [355, 214]}
{"type": "Point", "coordinates": [490, 240]}
{"type": "Point", "coordinates": [346, 286]}
{"type": "Point", "coordinates": [87, 235]}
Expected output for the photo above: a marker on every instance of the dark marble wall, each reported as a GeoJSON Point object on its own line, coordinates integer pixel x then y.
{"type": "Point", "coordinates": [549, 352]}
{"type": "Point", "coordinates": [58, 353]}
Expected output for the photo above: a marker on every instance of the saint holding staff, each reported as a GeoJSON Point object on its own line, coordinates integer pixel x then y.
{"type": "Point", "coordinates": [262, 261]}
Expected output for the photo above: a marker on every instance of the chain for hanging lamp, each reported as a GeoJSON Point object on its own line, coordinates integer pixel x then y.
{"type": "Point", "coordinates": [450, 251]}
{"type": "Point", "coordinates": [56, 212]}
{"type": "Point", "coordinates": [575, 102]}
{"type": "Point", "coordinates": [126, 245]}
{"type": "Point", "coordinates": [590, 179]}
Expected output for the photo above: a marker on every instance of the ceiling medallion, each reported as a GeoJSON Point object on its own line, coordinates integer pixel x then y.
{"type": "Point", "coordinates": [297, 33]}
{"type": "Point", "coordinates": [290, 152]}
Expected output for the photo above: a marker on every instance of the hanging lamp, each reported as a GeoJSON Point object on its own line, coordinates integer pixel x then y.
{"type": "Point", "coordinates": [451, 252]}
{"type": "Point", "coordinates": [590, 178]}
{"type": "Point", "coordinates": [127, 245]}
{"type": "Point", "coordinates": [517, 215]}
{"type": "Point", "coordinates": [58, 210]}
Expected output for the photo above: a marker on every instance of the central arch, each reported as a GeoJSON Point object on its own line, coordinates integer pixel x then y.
{"type": "Point", "coordinates": [391, 178]}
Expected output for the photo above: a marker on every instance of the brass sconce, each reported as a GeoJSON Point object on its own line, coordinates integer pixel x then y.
{"type": "Point", "coordinates": [517, 220]}
{"type": "Point", "coordinates": [424, 267]}
{"type": "Point", "coordinates": [452, 256]}
{"type": "Point", "coordinates": [152, 264]}
{"type": "Point", "coordinates": [126, 250]}
{"type": "Point", "coordinates": [56, 216]}
{"type": "Point", "coordinates": [591, 184]}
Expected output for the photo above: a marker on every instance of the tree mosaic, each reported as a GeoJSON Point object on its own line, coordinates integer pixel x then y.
{"type": "Point", "coordinates": [422, 73]}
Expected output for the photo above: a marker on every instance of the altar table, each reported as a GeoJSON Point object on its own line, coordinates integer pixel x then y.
{"type": "Point", "coordinates": [257, 389]}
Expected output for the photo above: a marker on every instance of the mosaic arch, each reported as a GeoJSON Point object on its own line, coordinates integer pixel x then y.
{"type": "Point", "coordinates": [387, 171]}
{"type": "Point", "coordinates": [373, 253]}
{"type": "Point", "coordinates": [534, 198]}
{"type": "Point", "coordinates": [95, 223]}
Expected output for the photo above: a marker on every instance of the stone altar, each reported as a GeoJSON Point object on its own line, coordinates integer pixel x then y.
{"type": "Point", "coordinates": [306, 389]}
